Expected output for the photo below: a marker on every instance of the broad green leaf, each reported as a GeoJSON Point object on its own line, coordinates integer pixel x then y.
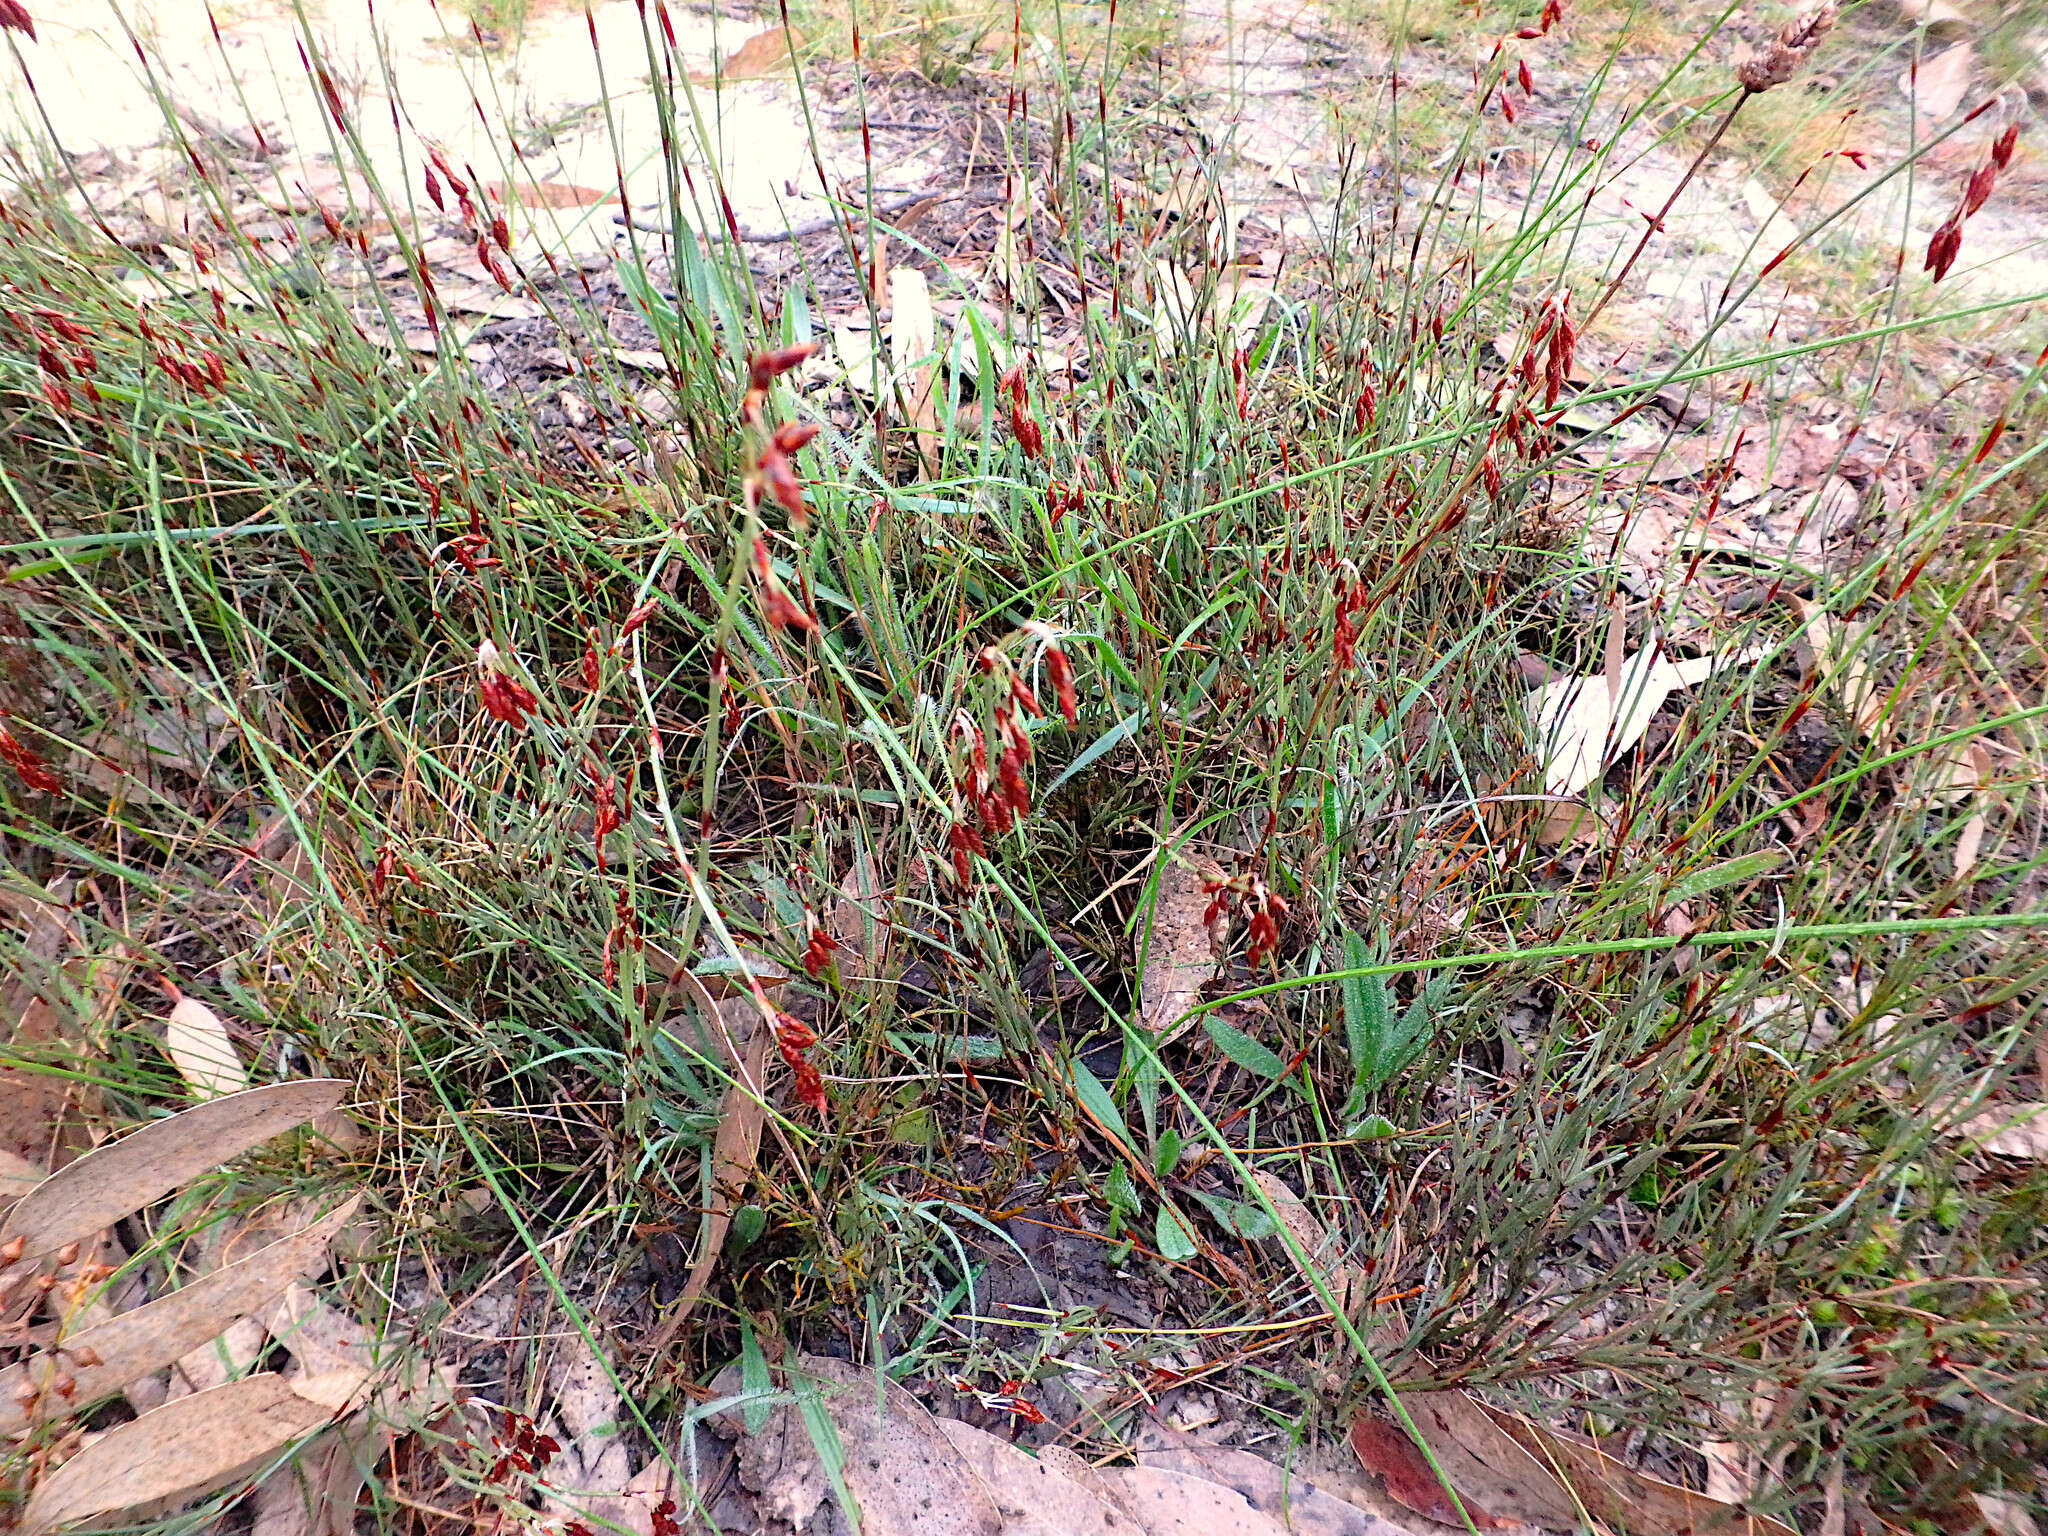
{"type": "Point", "coordinates": [1242, 1049]}
{"type": "Point", "coordinates": [1096, 1100]}
{"type": "Point", "coordinates": [1118, 1190]}
{"type": "Point", "coordinates": [1172, 1236]}
{"type": "Point", "coordinates": [1167, 1153]}
{"type": "Point", "coordinates": [1727, 872]}
{"type": "Point", "coordinates": [1238, 1216]}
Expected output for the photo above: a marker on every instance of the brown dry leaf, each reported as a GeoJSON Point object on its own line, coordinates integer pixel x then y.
{"type": "Point", "coordinates": [1385, 1450]}
{"type": "Point", "coordinates": [742, 1115]}
{"type": "Point", "coordinates": [587, 1406]}
{"type": "Point", "coordinates": [2008, 1130]}
{"type": "Point", "coordinates": [43, 1113]}
{"type": "Point", "coordinates": [2005, 1517]}
{"type": "Point", "coordinates": [317, 1494]}
{"type": "Point", "coordinates": [17, 1176]}
{"type": "Point", "coordinates": [176, 1453]}
{"type": "Point", "coordinates": [1775, 231]}
{"type": "Point", "coordinates": [147, 1164]}
{"type": "Point", "coordinates": [913, 339]}
{"type": "Point", "coordinates": [1073, 1465]}
{"type": "Point", "coordinates": [1618, 1495]}
{"type": "Point", "coordinates": [1175, 314]}
{"type": "Point", "coordinates": [1939, 17]}
{"type": "Point", "coordinates": [321, 1338]}
{"type": "Point", "coordinates": [765, 53]}
{"type": "Point", "coordinates": [1937, 87]}
{"type": "Point", "coordinates": [1485, 1463]}
{"type": "Point", "coordinates": [133, 1344]}
{"type": "Point", "coordinates": [1177, 954]}
{"type": "Point", "coordinates": [1581, 724]}
{"type": "Point", "coordinates": [1174, 1504]}
{"type": "Point", "coordinates": [1728, 1476]}
{"type": "Point", "coordinates": [491, 302]}
{"type": "Point", "coordinates": [1272, 1490]}
{"type": "Point", "coordinates": [201, 1049]}
{"type": "Point", "coordinates": [900, 1469]}
{"type": "Point", "coordinates": [1346, 1282]}
{"type": "Point", "coordinates": [1017, 273]}
{"type": "Point", "coordinates": [1970, 843]}
{"type": "Point", "coordinates": [1031, 1493]}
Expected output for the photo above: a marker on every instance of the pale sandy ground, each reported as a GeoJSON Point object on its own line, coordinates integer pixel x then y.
{"type": "Point", "coordinates": [544, 87]}
{"type": "Point", "coordinates": [1263, 74]}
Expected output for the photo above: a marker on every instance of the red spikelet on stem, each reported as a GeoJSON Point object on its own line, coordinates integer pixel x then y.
{"type": "Point", "coordinates": [31, 769]}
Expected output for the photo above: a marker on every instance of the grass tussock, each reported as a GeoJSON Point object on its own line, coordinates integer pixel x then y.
{"type": "Point", "coordinates": [453, 758]}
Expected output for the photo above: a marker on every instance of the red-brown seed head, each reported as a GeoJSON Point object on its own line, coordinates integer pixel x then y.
{"type": "Point", "coordinates": [796, 435]}
{"type": "Point", "coordinates": [779, 476]}
{"type": "Point", "coordinates": [1978, 192]}
{"type": "Point", "coordinates": [765, 367]}
{"type": "Point", "coordinates": [1946, 245]}
{"type": "Point", "coordinates": [14, 14]}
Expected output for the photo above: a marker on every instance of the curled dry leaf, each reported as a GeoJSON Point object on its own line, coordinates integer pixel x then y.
{"type": "Point", "coordinates": [147, 1164]}
{"type": "Point", "coordinates": [1177, 954]}
{"type": "Point", "coordinates": [198, 1043]}
{"type": "Point", "coordinates": [133, 1344]}
{"type": "Point", "coordinates": [1584, 723]}
{"type": "Point", "coordinates": [175, 1454]}
{"type": "Point", "coordinates": [1619, 1496]}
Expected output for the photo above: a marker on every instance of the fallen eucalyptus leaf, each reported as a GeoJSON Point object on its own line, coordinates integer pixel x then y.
{"type": "Point", "coordinates": [142, 1167]}
{"type": "Point", "coordinates": [132, 1344]}
{"type": "Point", "coordinates": [1178, 959]}
{"type": "Point", "coordinates": [201, 1049]}
{"type": "Point", "coordinates": [1585, 723]}
{"type": "Point", "coordinates": [175, 1454]}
